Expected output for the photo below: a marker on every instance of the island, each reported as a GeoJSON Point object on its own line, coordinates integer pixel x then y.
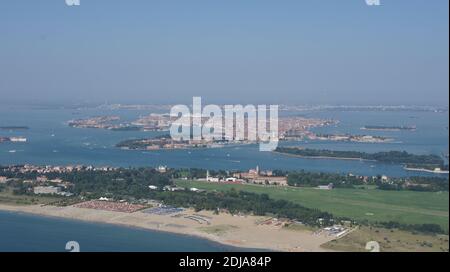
{"type": "Point", "coordinates": [166, 142]}
{"type": "Point", "coordinates": [99, 122]}
{"type": "Point", "coordinates": [289, 127]}
{"type": "Point", "coordinates": [13, 139]}
{"type": "Point", "coordinates": [351, 138]}
{"type": "Point", "coordinates": [153, 122]}
{"type": "Point", "coordinates": [429, 168]}
{"type": "Point", "coordinates": [389, 128]}
{"type": "Point", "coordinates": [14, 128]}
{"type": "Point", "coordinates": [398, 157]}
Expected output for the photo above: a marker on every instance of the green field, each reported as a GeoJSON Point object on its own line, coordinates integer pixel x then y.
{"type": "Point", "coordinates": [389, 241]}
{"type": "Point", "coordinates": [7, 197]}
{"type": "Point", "coordinates": [374, 205]}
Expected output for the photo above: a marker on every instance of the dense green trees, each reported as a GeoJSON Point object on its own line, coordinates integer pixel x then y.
{"type": "Point", "coordinates": [400, 157]}
{"type": "Point", "coordinates": [310, 179]}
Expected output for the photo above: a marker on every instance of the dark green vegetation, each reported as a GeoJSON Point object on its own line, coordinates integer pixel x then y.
{"type": "Point", "coordinates": [395, 157]}
{"type": "Point", "coordinates": [133, 144]}
{"type": "Point", "coordinates": [422, 184]}
{"type": "Point", "coordinates": [14, 128]}
{"type": "Point", "coordinates": [310, 179]}
{"type": "Point", "coordinates": [126, 128]}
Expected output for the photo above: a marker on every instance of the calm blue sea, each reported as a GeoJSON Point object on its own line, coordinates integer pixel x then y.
{"type": "Point", "coordinates": [24, 232]}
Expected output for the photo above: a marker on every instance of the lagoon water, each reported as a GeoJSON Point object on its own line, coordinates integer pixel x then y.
{"type": "Point", "coordinates": [24, 232]}
{"type": "Point", "coordinates": [51, 141]}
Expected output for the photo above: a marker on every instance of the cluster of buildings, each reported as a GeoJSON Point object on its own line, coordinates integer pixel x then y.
{"type": "Point", "coordinates": [336, 231]}
{"type": "Point", "coordinates": [40, 181]}
{"type": "Point", "coordinates": [294, 127]}
{"type": "Point", "coordinates": [13, 139]}
{"type": "Point", "coordinates": [3, 180]}
{"type": "Point", "coordinates": [54, 169]}
{"type": "Point", "coordinates": [101, 122]}
{"type": "Point", "coordinates": [154, 122]}
{"type": "Point", "coordinates": [42, 185]}
{"type": "Point", "coordinates": [176, 189]}
{"type": "Point", "coordinates": [350, 138]}
{"type": "Point", "coordinates": [162, 169]}
{"type": "Point", "coordinates": [288, 127]}
{"type": "Point", "coordinates": [255, 176]}
{"type": "Point", "coordinates": [50, 190]}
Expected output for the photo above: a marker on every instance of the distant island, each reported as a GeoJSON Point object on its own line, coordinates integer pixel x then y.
{"type": "Point", "coordinates": [430, 162]}
{"type": "Point", "coordinates": [14, 128]}
{"type": "Point", "coordinates": [99, 122]}
{"type": "Point", "coordinates": [153, 122]}
{"type": "Point", "coordinates": [390, 128]}
{"type": "Point", "coordinates": [13, 139]}
{"type": "Point", "coordinates": [166, 142]}
{"type": "Point", "coordinates": [351, 138]}
{"type": "Point", "coordinates": [427, 168]}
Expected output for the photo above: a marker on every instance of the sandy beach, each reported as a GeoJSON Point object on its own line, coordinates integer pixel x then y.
{"type": "Point", "coordinates": [238, 231]}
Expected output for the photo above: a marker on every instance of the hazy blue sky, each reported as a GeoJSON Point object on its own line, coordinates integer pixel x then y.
{"type": "Point", "coordinates": [240, 51]}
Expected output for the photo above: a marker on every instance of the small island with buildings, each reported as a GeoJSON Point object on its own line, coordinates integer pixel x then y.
{"type": "Point", "coordinates": [13, 139]}
{"type": "Point", "coordinates": [153, 122]}
{"type": "Point", "coordinates": [351, 138]}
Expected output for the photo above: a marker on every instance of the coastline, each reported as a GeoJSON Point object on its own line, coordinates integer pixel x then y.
{"type": "Point", "coordinates": [442, 172]}
{"type": "Point", "coordinates": [225, 229]}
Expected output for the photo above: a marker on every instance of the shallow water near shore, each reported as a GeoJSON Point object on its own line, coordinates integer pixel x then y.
{"type": "Point", "coordinates": [32, 233]}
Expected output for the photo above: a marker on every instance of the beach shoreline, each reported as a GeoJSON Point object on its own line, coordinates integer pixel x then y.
{"type": "Point", "coordinates": [441, 172]}
{"type": "Point", "coordinates": [236, 231]}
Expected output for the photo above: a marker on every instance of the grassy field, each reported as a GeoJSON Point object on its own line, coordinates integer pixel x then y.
{"type": "Point", "coordinates": [389, 241]}
{"type": "Point", "coordinates": [7, 197]}
{"type": "Point", "coordinates": [374, 205]}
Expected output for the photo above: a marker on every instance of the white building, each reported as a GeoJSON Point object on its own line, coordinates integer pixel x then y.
{"type": "Point", "coordinates": [162, 169]}
{"type": "Point", "coordinates": [18, 139]}
{"type": "Point", "coordinates": [326, 187]}
{"type": "Point", "coordinates": [46, 190]}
